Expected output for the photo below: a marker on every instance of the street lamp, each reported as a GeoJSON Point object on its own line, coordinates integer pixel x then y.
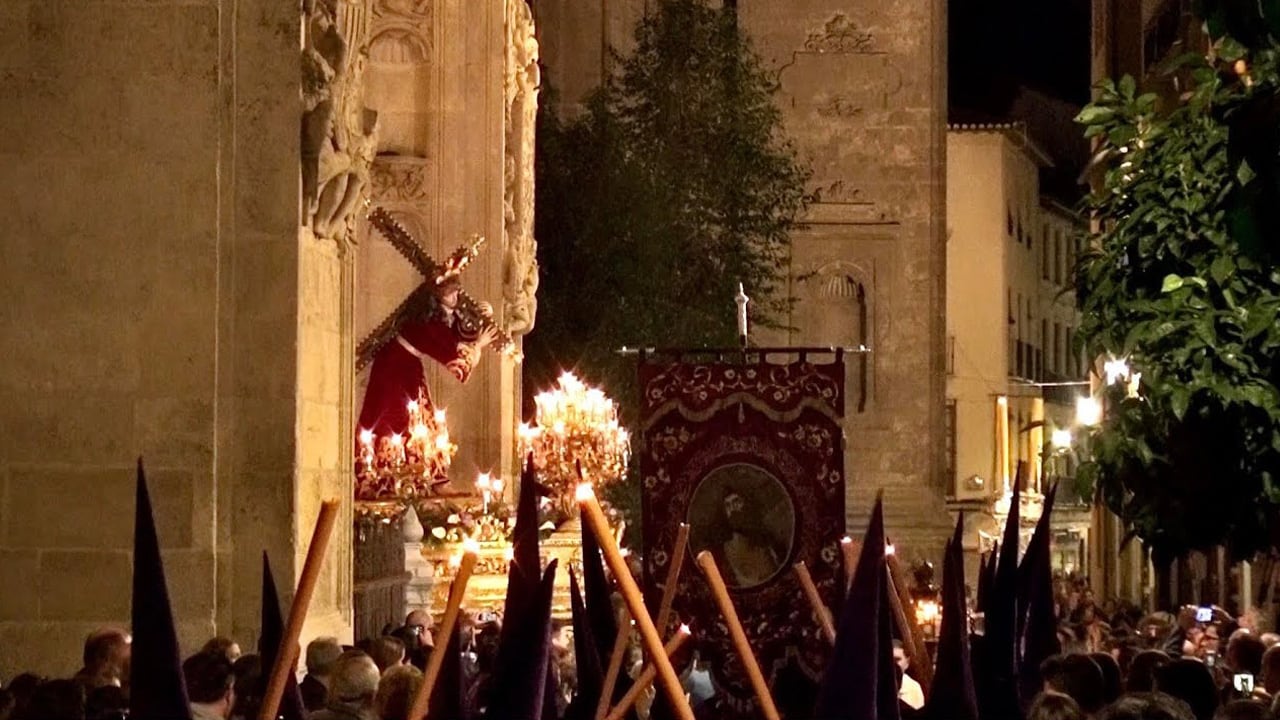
{"type": "Point", "coordinates": [1088, 411]}
{"type": "Point", "coordinates": [1061, 438]}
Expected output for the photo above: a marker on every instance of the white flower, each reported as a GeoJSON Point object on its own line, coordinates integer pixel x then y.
{"type": "Point", "coordinates": [453, 518]}
{"type": "Point", "coordinates": [438, 532]}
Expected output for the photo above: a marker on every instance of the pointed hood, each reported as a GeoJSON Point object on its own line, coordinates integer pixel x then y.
{"type": "Point", "coordinates": [520, 671]}
{"type": "Point", "coordinates": [590, 669]}
{"type": "Point", "coordinates": [525, 567]}
{"type": "Point", "coordinates": [1035, 600]}
{"type": "Point", "coordinates": [853, 680]}
{"type": "Point", "coordinates": [157, 690]}
{"type": "Point", "coordinates": [953, 696]}
{"type": "Point", "coordinates": [448, 697]}
{"type": "Point", "coordinates": [998, 694]}
{"type": "Point", "coordinates": [291, 707]}
{"type": "Point", "coordinates": [598, 596]}
{"type": "Point", "coordinates": [987, 576]}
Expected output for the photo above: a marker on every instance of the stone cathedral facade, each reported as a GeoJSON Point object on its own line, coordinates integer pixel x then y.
{"type": "Point", "coordinates": [187, 271]}
{"type": "Point", "coordinates": [862, 87]}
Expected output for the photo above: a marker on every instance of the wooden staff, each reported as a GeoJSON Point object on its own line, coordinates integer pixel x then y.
{"type": "Point", "coordinates": [594, 517]}
{"type": "Point", "coordinates": [673, 577]}
{"type": "Point", "coordinates": [815, 601]}
{"type": "Point", "coordinates": [849, 551]}
{"type": "Point", "coordinates": [645, 679]}
{"type": "Point", "coordinates": [912, 642]}
{"type": "Point", "coordinates": [457, 591]}
{"type": "Point", "coordinates": [740, 643]}
{"type": "Point", "coordinates": [620, 642]}
{"type": "Point", "coordinates": [287, 653]}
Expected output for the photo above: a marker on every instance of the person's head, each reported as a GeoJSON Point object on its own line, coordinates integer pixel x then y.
{"type": "Point", "coordinates": [1054, 706]}
{"type": "Point", "coordinates": [1270, 638]}
{"type": "Point", "coordinates": [210, 681]}
{"type": "Point", "coordinates": [248, 685]}
{"type": "Point", "coordinates": [447, 292]}
{"type": "Point", "coordinates": [106, 656]}
{"type": "Point", "coordinates": [387, 652]}
{"type": "Point", "coordinates": [1244, 653]}
{"type": "Point", "coordinates": [57, 700]}
{"type": "Point", "coordinates": [354, 680]}
{"type": "Point", "coordinates": [322, 653]}
{"type": "Point", "coordinates": [1110, 675]}
{"type": "Point", "coordinates": [1244, 710]}
{"type": "Point", "coordinates": [224, 645]}
{"type": "Point", "coordinates": [1142, 672]}
{"type": "Point", "coordinates": [1191, 681]}
{"type": "Point", "coordinates": [1269, 678]}
{"type": "Point", "coordinates": [396, 691]}
{"type": "Point", "coordinates": [1075, 675]}
{"type": "Point", "coordinates": [1146, 706]}
{"type": "Point", "coordinates": [900, 656]}
{"type": "Point", "coordinates": [7, 704]}
{"type": "Point", "coordinates": [418, 624]}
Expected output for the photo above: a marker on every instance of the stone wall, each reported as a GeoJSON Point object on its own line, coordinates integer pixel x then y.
{"type": "Point", "coordinates": [863, 93]}
{"type": "Point", "coordinates": [160, 299]}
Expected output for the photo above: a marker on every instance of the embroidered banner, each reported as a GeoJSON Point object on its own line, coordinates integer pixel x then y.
{"type": "Point", "coordinates": [749, 452]}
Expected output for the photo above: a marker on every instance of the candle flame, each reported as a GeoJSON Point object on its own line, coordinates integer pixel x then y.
{"type": "Point", "coordinates": [396, 439]}
{"type": "Point", "coordinates": [585, 492]}
{"type": "Point", "coordinates": [509, 554]}
{"type": "Point", "coordinates": [483, 481]}
{"type": "Point", "coordinates": [846, 540]}
{"type": "Point", "coordinates": [366, 437]}
{"type": "Point", "coordinates": [470, 546]}
{"type": "Point", "coordinates": [439, 416]}
{"type": "Point", "coordinates": [889, 549]}
{"type": "Point", "coordinates": [684, 630]}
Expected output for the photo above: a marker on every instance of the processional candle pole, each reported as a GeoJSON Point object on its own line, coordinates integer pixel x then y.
{"type": "Point", "coordinates": [741, 299]}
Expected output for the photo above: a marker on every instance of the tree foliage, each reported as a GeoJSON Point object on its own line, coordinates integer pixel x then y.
{"type": "Point", "coordinates": [673, 186]}
{"type": "Point", "coordinates": [1182, 280]}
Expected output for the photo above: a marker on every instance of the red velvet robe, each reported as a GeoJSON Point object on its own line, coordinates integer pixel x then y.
{"type": "Point", "coordinates": [397, 375]}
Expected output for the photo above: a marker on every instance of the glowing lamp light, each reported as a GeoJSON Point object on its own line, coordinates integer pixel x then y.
{"type": "Point", "coordinates": [439, 416]}
{"type": "Point", "coordinates": [1088, 411]}
{"type": "Point", "coordinates": [1115, 370]}
{"type": "Point", "coordinates": [1061, 438]}
{"type": "Point", "coordinates": [509, 554]}
{"type": "Point", "coordinates": [483, 481]}
{"type": "Point", "coordinates": [366, 437]}
{"type": "Point", "coordinates": [455, 560]}
{"type": "Point", "coordinates": [584, 492]}
{"type": "Point", "coordinates": [470, 546]}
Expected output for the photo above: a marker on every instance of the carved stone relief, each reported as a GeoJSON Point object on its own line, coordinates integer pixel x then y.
{"type": "Point", "coordinates": [839, 34]}
{"type": "Point", "coordinates": [338, 132]}
{"type": "Point", "coordinates": [403, 31]}
{"type": "Point", "coordinates": [837, 105]}
{"type": "Point", "coordinates": [400, 178]}
{"type": "Point", "coordinates": [840, 295]}
{"type": "Point", "coordinates": [520, 262]}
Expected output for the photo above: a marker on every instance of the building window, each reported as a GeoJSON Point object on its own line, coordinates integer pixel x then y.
{"type": "Point", "coordinates": [950, 435]}
{"type": "Point", "coordinates": [1044, 253]}
{"type": "Point", "coordinates": [1059, 363]}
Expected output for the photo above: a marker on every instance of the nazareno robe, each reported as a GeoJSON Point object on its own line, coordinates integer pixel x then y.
{"type": "Point", "coordinates": [397, 375]}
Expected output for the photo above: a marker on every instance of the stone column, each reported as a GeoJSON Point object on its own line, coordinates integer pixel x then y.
{"type": "Point", "coordinates": [418, 592]}
{"type": "Point", "coordinates": [168, 296]}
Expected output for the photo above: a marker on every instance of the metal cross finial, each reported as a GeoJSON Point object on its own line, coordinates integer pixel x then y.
{"type": "Point", "coordinates": [741, 299]}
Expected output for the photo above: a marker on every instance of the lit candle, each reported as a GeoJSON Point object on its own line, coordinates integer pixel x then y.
{"type": "Point", "coordinates": [673, 576]}
{"type": "Point", "coordinates": [740, 642]}
{"type": "Point", "coordinates": [849, 550]}
{"type": "Point", "coordinates": [815, 602]}
{"type": "Point", "coordinates": [457, 590]}
{"type": "Point", "coordinates": [593, 516]}
{"type": "Point", "coordinates": [620, 642]}
{"type": "Point", "coordinates": [645, 679]}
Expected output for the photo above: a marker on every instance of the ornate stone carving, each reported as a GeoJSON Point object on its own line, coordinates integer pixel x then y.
{"type": "Point", "coordinates": [837, 191]}
{"type": "Point", "coordinates": [838, 105]}
{"type": "Point", "coordinates": [338, 131]}
{"type": "Point", "coordinates": [397, 177]}
{"type": "Point", "coordinates": [520, 262]}
{"type": "Point", "coordinates": [403, 31]}
{"type": "Point", "coordinates": [839, 34]}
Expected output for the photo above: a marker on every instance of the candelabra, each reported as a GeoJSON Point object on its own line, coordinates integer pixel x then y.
{"type": "Point", "coordinates": [576, 427]}
{"type": "Point", "coordinates": [393, 470]}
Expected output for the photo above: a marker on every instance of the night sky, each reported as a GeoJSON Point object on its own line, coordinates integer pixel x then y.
{"type": "Point", "coordinates": [995, 46]}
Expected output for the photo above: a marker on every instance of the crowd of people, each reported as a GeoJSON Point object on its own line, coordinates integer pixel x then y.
{"type": "Point", "coordinates": [375, 679]}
